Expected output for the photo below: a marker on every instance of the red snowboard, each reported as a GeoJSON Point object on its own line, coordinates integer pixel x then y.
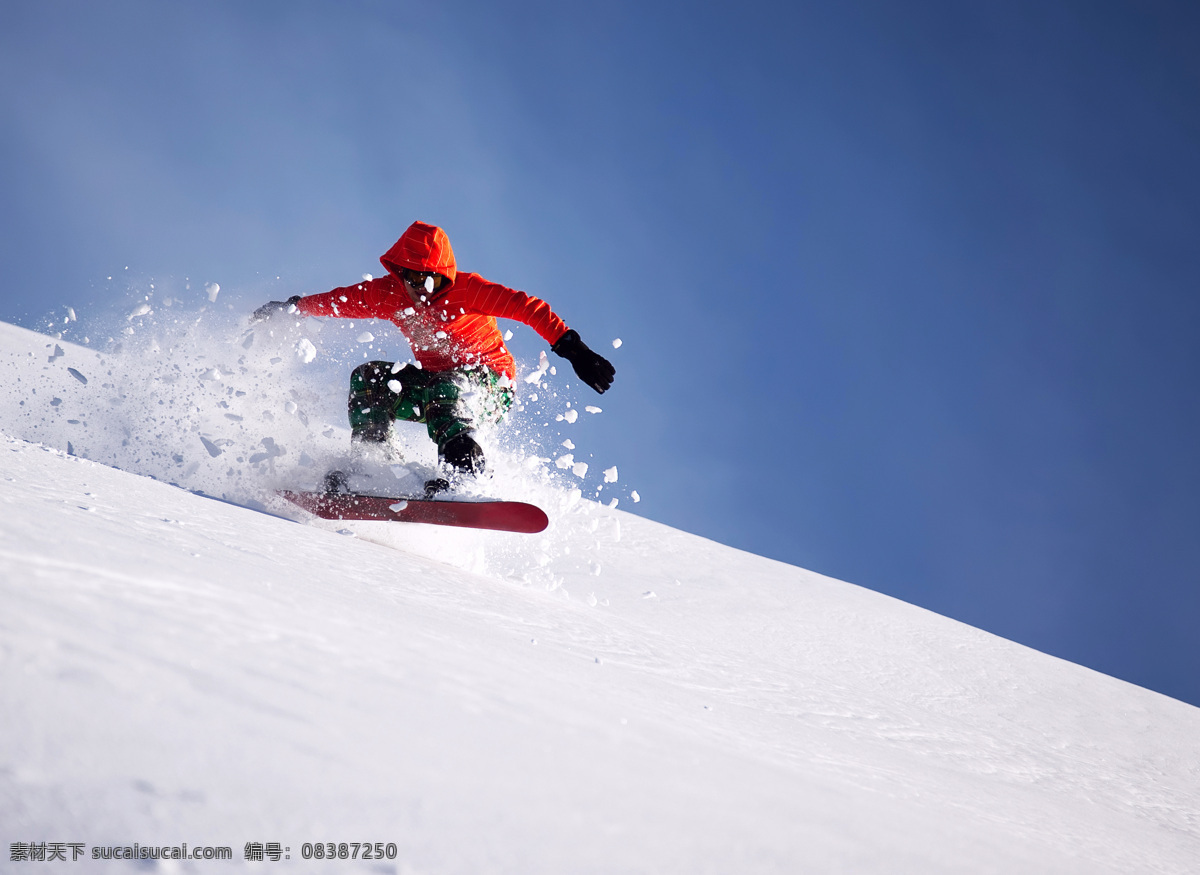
{"type": "Point", "coordinates": [500, 516]}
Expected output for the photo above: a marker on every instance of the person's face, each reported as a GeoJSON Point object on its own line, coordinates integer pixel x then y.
{"type": "Point", "coordinates": [422, 286]}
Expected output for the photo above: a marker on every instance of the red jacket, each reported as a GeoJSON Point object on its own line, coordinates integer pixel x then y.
{"type": "Point", "coordinates": [458, 326]}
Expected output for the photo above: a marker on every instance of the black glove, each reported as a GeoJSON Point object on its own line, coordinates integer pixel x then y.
{"type": "Point", "coordinates": [593, 369]}
{"type": "Point", "coordinates": [269, 309]}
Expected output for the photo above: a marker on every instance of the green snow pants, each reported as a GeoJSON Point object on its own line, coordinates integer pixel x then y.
{"type": "Point", "coordinates": [448, 402]}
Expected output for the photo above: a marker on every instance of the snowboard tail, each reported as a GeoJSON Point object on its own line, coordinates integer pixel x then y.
{"type": "Point", "coordinates": [499, 516]}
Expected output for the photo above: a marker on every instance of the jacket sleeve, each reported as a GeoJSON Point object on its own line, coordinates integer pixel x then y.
{"type": "Point", "coordinates": [485, 298]}
{"type": "Point", "coordinates": [370, 299]}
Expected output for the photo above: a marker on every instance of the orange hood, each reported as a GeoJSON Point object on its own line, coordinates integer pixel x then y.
{"type": "Point", "coordinates": [422, 247]}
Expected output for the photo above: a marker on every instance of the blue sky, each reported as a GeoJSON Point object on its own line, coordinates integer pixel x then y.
{"type": "Point", "coordinates": [908, 291]}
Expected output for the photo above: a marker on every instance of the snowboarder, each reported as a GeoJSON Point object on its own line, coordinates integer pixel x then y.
{"type": "Point", "coordinates": [464, 372]}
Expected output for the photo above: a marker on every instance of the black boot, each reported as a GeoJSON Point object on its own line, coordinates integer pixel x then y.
{"type": "Point", "coordinates": [436, 485]}
{"type": "Point", "coordinates": [463, 454]}
{"type": "Point", "coordinates": [336, 481]}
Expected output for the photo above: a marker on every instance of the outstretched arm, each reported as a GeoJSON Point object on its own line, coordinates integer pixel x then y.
{"type": "Point", "coordinates": [493, 299]}
{"type": "Point", "coordinates": [366, 300]}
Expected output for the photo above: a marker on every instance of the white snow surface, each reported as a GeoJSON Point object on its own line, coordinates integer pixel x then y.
{"type": "Point", "coordinates": [609, 696]}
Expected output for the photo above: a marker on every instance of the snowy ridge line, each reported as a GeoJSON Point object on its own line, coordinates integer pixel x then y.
{"type": "Point", "coordinates": [174, 665]}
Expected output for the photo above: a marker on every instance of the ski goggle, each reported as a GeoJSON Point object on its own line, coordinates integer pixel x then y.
{"type": "Point", "coordinates": [423, 280]}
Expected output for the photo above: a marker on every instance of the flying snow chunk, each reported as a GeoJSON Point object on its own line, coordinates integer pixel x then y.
{"type": "Point", "coordinates": [592, 409]}
{"type": "Point", "coordinates": [290, 406]}
{"type": "Point", "coordinates": [617, 343]}
{"type": "Point", "coordinates": [71, 314]}
{"type": "Point", "coordinates": [636, 498]}
{"type": "Point", "coordinates": [565, 461]}
{"type": "Point", "coordinates": [305, 351]}
{"type": "Point", "coordinates": [395, 386]}
{"type": "Point", "coordinates": [571, 415]}
{"type": "Point", "coordinates": [366, 337]}
{"type": "Point", "coordinates": [568, 444]}
{"type": "Point", "coordinates": [213, 449]}
{"type": "Point", "coordinates": [367, 277]}
{"type": "Point", "coordinates": [140, 310]}
{"type": "Point", "coordinates": [579, 469]}
{"type": "Point", "coordinates": [210, 374]}
{"type": "Point", "coordinates": [78, 376]}
{"type": "Point", "coordinates": [508, 335]}
{"type": "Point", "coordinates": [398, 506]}
{"type": "Point", "coordinates": [543, 366]}
{"type": "Point", "coordinates": [212, 290]}
{"type": "Point", "coordinates": [610, 474]}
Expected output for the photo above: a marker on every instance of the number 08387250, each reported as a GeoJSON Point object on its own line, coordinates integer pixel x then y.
{"type": "Point", "coordinates": [348, 851]}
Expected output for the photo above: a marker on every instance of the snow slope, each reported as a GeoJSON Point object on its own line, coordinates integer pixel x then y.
{"type": "Point", "coordinates": [611, 696]}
